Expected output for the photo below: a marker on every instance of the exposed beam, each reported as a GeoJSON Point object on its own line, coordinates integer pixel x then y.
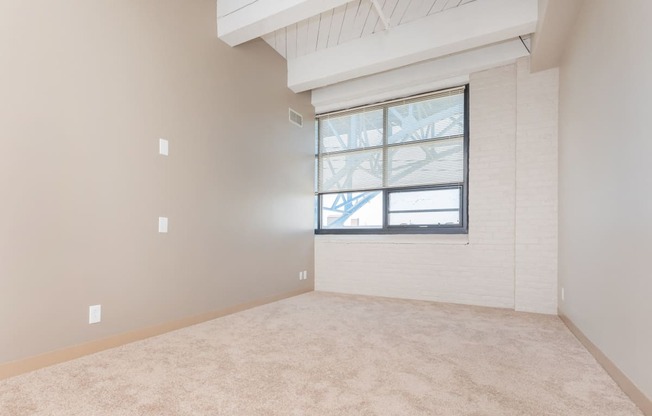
{"type": "Point", "coordinates": [381, 14]}
{"type": "Point", "coordinates": [556, 21]}
{"type": "Point", "coordinates": [473, 25]}
{"type": "Point", "coordinates": [239, 22]}
{"type": "Point", "coordinates": [445, 72]}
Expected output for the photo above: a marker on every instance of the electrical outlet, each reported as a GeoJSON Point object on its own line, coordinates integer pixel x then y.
{"type": "Point", "coordinates": [563, 295]}
{"type": "Point", "coordinates": [94, 314]}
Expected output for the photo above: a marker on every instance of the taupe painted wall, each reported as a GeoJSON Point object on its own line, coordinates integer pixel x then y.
{"type": "Point", "coordinates": [605, 211]}
{"type": "Point", "coordinates": [86, 90]}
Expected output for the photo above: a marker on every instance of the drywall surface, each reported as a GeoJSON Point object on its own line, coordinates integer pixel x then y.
{"type": "Point", "coordinates": [87, 89]}
{"type": "Point", "coordinates": [512, 212]}
{"type": "Point", "coordinates": [605, 227]}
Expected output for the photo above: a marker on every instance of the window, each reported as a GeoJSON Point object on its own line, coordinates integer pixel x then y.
{"type": "Point", "coordinates": [397, 167]}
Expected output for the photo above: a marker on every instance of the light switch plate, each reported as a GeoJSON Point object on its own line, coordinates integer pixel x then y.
{"type": "Point", "coordinates": [162, 224]}
{"type": "Point", "coordinates": [163, 147]}
{"type": "Point", "coordinates": [94, 314]}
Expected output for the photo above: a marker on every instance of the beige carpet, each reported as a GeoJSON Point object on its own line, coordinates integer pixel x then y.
{"type": "Point", "coordinates": [325, 354]}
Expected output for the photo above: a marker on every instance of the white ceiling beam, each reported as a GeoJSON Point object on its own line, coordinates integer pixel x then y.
{"type": "Point", "coordinates": [381, 14]}
{"type": "Point", "coordinates": [556, 21]}
{"type": "Point", "coordinates": [449, 71]}
{"type": "Point", "coordinates": [241, 21]}
{"type": "Point", "coordinates": [474, 25]}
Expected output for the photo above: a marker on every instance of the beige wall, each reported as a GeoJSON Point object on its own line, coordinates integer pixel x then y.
{"type": "Point", "coordinates": [86, 90]}
{"type": "Point", "coordinates": [605, 222]}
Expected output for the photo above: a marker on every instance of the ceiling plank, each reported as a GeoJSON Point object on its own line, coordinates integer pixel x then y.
{"type": "Point", "coordinates": [291, 41]}
{"type": "Point", "coordinates": [370, 23]}
{"type": "Point", "coordinates": [388, 9]}
{"type": "Point", "coordinates": [281, 42]}
{"type": "Point", "coordinates": [361, 18]}
{"type": "Point", "coordinates": [474, 25]}
{"type": "Point", "coordinates": [451, 4]}
{"type": "Point", "coordinates": [399, 12]}
{"type": "Point", "coordinates": [313, 34]}
{"type": "Point", "coordinates": [348, 27]}
{"type": "Point", "coordinates": [414, 11]}
{"type": "Point", "coordinates": [258, 18]}
{"type": "Point", "coordinates": [336, 26]}
{"type": "Point", "coordinates": [324, 29]}
{"type": "Point", "coordinates": [440, 5]}
{"type": "Point", "coordinates": [382, 17]}
{"type": "Point", "coordinates": [302, 37]}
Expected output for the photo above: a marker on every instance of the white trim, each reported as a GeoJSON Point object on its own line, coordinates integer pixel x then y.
{"type": "Point", "coordinates": [437, 239]}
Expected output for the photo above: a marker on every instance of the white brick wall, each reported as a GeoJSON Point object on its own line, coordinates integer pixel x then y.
{"type": "Point", "coordinates": [485, 267]}
{"type": "Point", "coordinates": [536, 189]}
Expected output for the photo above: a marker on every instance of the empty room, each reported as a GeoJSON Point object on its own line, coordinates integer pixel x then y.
{"type": "Point", "coordinates": [325, 207]}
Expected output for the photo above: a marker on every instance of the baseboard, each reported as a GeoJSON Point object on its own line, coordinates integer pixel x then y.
{"type": "Point", "coordinates": [26, 365]}
{"type": "Point", "coordinates": [630, 389]}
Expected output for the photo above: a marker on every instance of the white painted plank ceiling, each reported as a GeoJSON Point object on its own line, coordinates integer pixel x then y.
{"type": "Point", "coordinates": [350, 21]}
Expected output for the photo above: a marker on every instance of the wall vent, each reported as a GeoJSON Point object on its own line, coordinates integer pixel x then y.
{"type": "Point", "coordinates": [296, 118]}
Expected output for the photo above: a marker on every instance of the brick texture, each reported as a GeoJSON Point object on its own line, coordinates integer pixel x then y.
{"type": "Point", "coordinates": [536, 189]}
{"type": "Point", "coordinates": [497, 264]}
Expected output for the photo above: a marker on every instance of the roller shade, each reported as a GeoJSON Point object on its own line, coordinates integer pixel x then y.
{"type": "Point", "coordinates": [403, 143]}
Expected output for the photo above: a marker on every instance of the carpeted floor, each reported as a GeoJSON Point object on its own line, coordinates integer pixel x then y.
{"type": "Point", "coordinates": [325, 354]}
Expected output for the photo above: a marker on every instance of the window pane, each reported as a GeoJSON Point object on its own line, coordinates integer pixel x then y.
{"type": "Point", "coordinates": [425, 218]}
{"type": "Point", "coordinates": [352, 131]}
{"type": "Point", "coordinates": [351, 171]}
{"type": "Point", "coordinates": [429, 119]}
{"type": "Point", "coordinates": [425, 200]}
{"type": "Point", "coordinates": [426, 163]}
{"type": "Point", "coordinates": [352, 210]}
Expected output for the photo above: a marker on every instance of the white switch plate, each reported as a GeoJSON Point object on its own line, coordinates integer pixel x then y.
{"type": "Point", "coordinates": [94, 314]}
{"type": "Point", "coordinates": [563, 295]}
{"type": "Point", "coordinates": [162, 224]}
{"type": "Point", "coordinates": [163, 147]}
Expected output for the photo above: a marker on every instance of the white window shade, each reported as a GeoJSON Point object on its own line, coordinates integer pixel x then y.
{"type": "Point", "coordinates": [433, 162]}
{"type": "Point", "coordinates": [351, 171]}
{"type": "Point", "coordinates": [396, 167]}
{"type": "Point", "coordinates": [438, 117]}
{"type": "Point", "coordinates": [358, 130]}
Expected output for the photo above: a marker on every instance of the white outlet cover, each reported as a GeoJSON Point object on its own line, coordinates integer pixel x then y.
{"type": "Point", "coordinates": [162, 224]}
{"type": "Point", "coordinates": [94, 314]}
{"type": "Point", "coordinates": [163, 147]}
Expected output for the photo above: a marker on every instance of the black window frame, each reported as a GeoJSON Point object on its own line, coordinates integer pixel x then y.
{"type": "Point", "coordinates": [462, 228]}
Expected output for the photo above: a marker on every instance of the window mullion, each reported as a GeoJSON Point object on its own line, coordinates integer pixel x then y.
{"type": "Point", "coordinates": [385, 168]}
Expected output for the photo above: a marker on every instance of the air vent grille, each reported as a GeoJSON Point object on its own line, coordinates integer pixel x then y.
{"type": "Point", "coordinates": [296, 118]}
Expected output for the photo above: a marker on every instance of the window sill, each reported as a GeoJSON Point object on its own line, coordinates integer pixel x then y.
{"type": "Point", "coordinates": [434, 239]}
